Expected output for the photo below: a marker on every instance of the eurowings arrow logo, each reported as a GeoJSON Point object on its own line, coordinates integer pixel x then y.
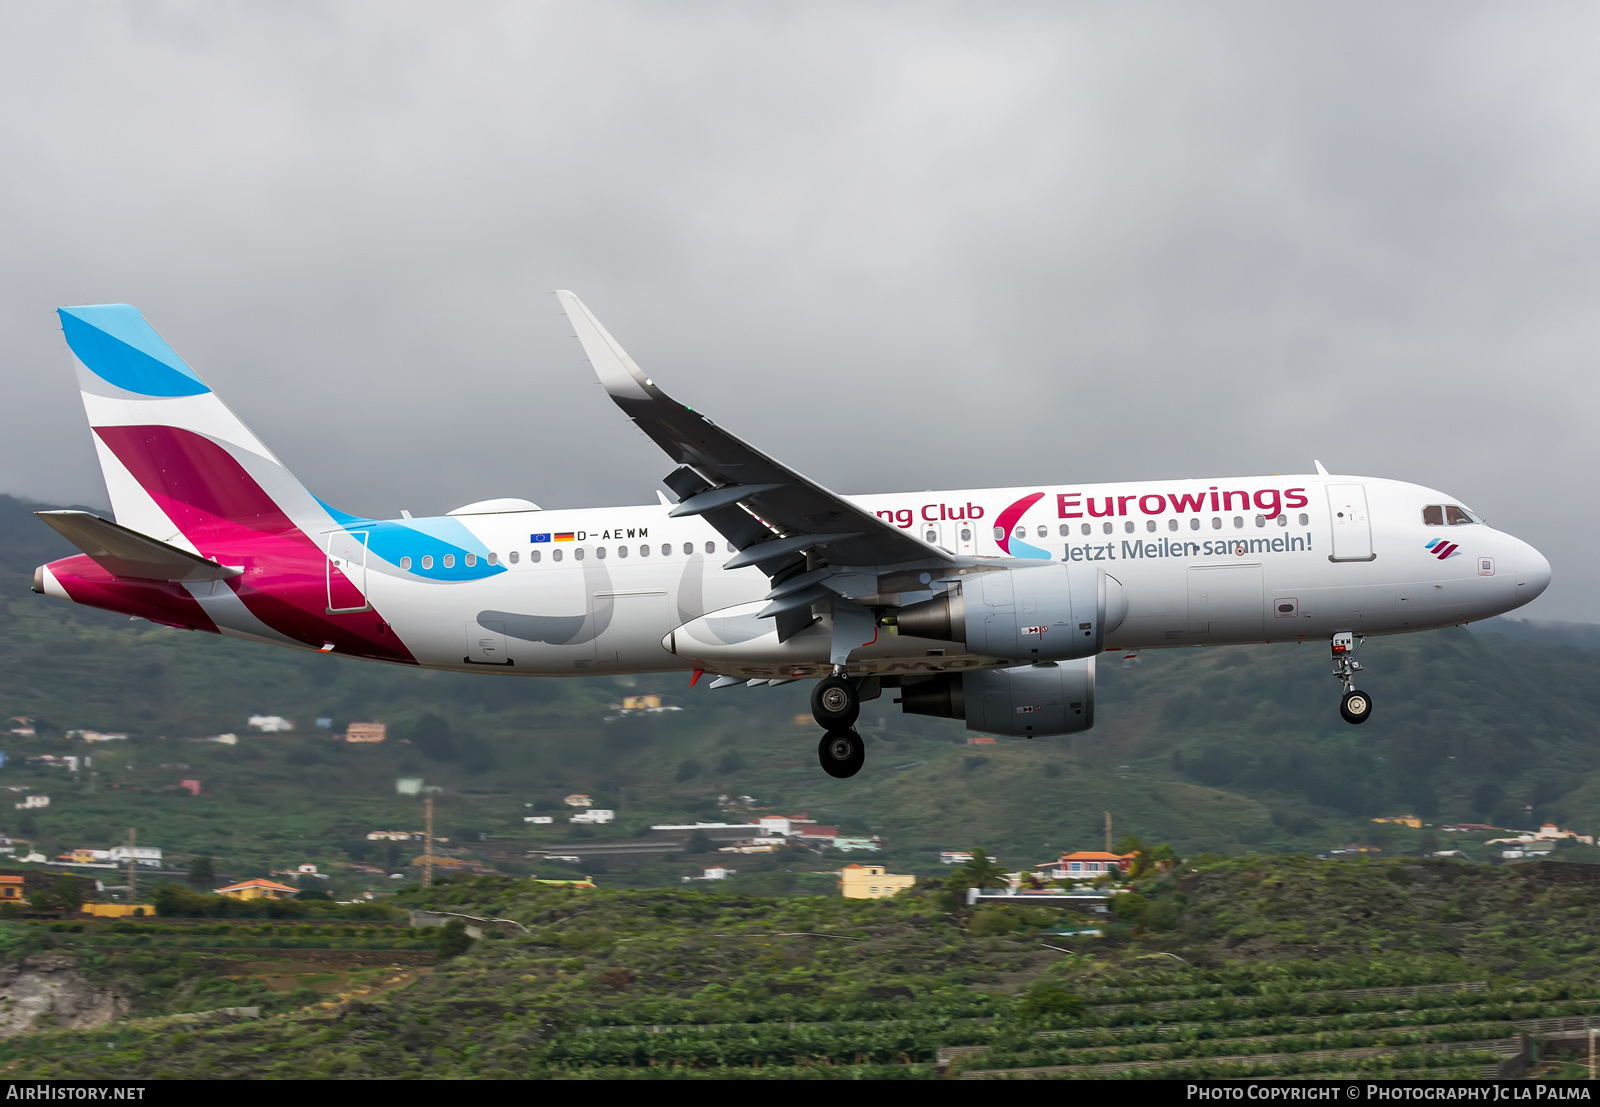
{"type": "Point", "coordinates": [1442, 549]}
{"type": "Point", "coordinates": [1011, 543]}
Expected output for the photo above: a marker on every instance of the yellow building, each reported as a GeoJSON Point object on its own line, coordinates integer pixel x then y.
{"type": "Point", "coordinates": [871, 882]}
{"type": "Point", "coordinates": [641, 703]}
{"type": "Point", "coordinates": [11, 888]}
{"type": "Point", "coordinates": [118, 910]}
{"type": "Point", "coordinates": [1403, 820]}
{"type": "Point", "coordinates": [366, 732]}
{"type": "Point", "coordinates": [257, 889]}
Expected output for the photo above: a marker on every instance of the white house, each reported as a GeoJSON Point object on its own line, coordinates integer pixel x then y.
{"type": "Point", "coordinates": [33, 801]}
{"type": "Point", "coordinates": [577, 799]}
{"type": "Point", "coordinates": [539, 820]}
{"type": "Point", "coordinates": [143, 855]}
{"type": "Point", "coordinates": [594, 815]}
{"type": "Point", "coordinates": [954, 857]}
{"type": "Point", "coordinates": [269, 724]}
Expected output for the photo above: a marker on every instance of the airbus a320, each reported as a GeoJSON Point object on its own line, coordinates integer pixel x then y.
{"type": "Point", "coordinates": [987, 605]}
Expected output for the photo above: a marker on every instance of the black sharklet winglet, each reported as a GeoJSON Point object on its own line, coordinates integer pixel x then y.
{"type": "Point", "coordinates": [127, 553]}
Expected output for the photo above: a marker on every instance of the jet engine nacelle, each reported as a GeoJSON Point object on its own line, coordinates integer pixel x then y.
{"type": "Point", "coordinates": [1052, 612]}
{"type": "Point", "coordinates": [1051, 697]}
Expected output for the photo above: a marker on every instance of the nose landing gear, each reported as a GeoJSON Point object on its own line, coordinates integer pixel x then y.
{"type": "Point", "coordinates": [1355, 706]}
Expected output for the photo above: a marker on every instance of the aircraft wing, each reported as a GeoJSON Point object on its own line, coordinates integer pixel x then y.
{"type": "Point", "coordinates": [784, 515]}
{"type": "Point", "coordinates": [127, 553]}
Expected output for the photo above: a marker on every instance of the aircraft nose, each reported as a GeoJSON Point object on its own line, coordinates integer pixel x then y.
{"type": "Point", "coordinates": [1533, 573]}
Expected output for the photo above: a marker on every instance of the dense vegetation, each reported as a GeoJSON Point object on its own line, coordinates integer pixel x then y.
{"type": "Point", "coordinates": [1259, 966]}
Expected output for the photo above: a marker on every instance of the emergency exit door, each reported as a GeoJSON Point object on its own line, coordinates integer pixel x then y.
{"type": "Point", "coordinates": [1352, 529]}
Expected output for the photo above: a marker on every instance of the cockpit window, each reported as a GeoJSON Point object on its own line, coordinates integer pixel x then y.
{"type": "Point", "coordinates": [1433, 515]}
{"type": "Point", "coordinates": [1455, 516]}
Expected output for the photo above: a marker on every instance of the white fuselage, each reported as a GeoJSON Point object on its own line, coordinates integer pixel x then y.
{"type": "Point", "coordinates": [1192, 571]}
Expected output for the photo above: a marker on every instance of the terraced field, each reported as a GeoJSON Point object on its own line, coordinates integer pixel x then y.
{"type": "Point", "coordinates": [1358, 979]}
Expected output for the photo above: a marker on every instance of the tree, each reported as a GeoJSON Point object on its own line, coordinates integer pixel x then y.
{"type": "Point", "coordinates": [453, 939]}
{"type": "Point", "coordinates": [202, 872]}
{"type": "Point", "coordinates": [65, 895]}
{"type": "Point", "coordinates": [982, 871]}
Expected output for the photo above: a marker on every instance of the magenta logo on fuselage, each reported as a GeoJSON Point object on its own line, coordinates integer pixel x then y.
{"type": "Point", "coordinates": [1442, 549]}
{"type": "Point", "coordinates": [1009, 541]}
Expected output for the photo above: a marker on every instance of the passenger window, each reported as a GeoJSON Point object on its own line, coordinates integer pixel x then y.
{"type": "Point", "coordinates": [1194, 524]}
{"type": "Point", "coordinates": [1087, 529]}
{"type": "Point", "coordinates": [1106, 528]}
{"type": "Point", "coordinates": [711, 547]}
{"type": "Point", "coordinates": [1261, 520]}
{"type": "Point", "coordinates": [1066, 529]}
{"type": "Point", "coordinates": [1022, 532]}
{"type": "Point", "coordinates": [405, 563]}
{"type": "Point", "coordinates": [534, 555]}
{"type": "Point", "coordinates": [555, 554]}
{"type": "Point", "coordinates": [1283, 520]}
{"type": "Point", "coordinates": [472, 560]}
{"type": "Point", "coordinates": [688, 547]}
{"type": "Point", "coordinates": [515, 556]}
{"type": "Point", "coordinates": [999, 533]}
{"type": "Point", "coordinates": [1172, 524]}
{"type": "Point", "coordinates": [494, 559]}
{"type": "Point", "coordinates": [644, 550]}
{"type": "Point", "coordinates": [427, 561]}
{"type": "Point", "coordinates": [1044, 532]}
{"type": "Point", "coordinates": [1457, 516]}
{"type": "Point", "coordinates": [966, 534]}
{"type": "Point", "coordinates": [1305, 520]}
{"type": "Point", "coordinates": [930, 536]}
{"type": "Point", "coordinates": [666, 549]}
{"type": "Point", "coordinates": [1216, 523]}
{"type": "Point", "coordinates": [577, 554]}
{"type": "Point", "coordinates": [1128, 526]}
{"type": "Point", "coordinates": [1149, 524]}
{"type": "Point", "coordinates": [1238, 522]}
{"type": "Point", "coordinates": [732, 548]}
{"type": "Point", "coordinates": [600, 552]}
{"type": "Point", "coordinates": [1433, 515]}
{"type": "Point", "coordinates": [622, 551]}
{"type": "Point", "coordinates": [449, 561]}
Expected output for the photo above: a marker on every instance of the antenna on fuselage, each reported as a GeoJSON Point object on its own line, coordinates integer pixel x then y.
{"type": "Point", "coordinates": [1321, 472]}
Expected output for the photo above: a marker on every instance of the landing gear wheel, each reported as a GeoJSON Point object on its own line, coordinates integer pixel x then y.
{"type": "Point", "coordinates": [842, 753]}
{"type": "Point", "coordinates": [1356, 706]}
{"type": "Point", "coordinates": [835, 703]}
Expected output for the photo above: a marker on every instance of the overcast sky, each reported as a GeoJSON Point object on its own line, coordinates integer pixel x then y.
{"type": "Point", "coordinates": [899, 246]}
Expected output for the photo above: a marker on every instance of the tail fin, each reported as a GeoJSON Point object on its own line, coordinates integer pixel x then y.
{"type": "Point", "coordinates": [179, 466]}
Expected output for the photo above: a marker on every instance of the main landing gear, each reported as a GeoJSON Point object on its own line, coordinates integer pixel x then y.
{"type": "Point", "coordinates": [1355, 706]}
{"type": "Point", "coordinates": [836, 704]}
{"type": "Point", "coordinates": [842, 753]}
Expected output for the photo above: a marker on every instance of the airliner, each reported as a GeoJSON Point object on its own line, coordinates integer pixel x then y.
{"type": "Point", "coordinates": [986, 605]}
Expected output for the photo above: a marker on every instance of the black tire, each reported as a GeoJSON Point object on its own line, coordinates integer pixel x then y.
{"type": "Point", "coordinates": [842, 753]}
{"type": "Point", "coordinates": [1356, 707]}
{"type": "Point", "coordinates": [835, 703]}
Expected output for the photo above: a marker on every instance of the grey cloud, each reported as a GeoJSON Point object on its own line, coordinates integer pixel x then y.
{"type": "Point", "coordinates": [898, 245]}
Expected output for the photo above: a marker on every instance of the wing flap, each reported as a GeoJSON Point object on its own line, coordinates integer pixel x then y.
{"type": "Point", "coordinates": [127, 553]}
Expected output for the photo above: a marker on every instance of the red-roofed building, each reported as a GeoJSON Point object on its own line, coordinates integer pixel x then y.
{"type": "Point", "coordinates": [1085, 865]}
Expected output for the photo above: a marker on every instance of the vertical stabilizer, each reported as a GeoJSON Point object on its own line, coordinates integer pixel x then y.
{"type": "Point", "coordinates": [179, 466]}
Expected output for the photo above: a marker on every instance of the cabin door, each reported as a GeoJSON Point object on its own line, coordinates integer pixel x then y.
{"type": "Point", "coordinates": [1352, 529]}
{"type": "Point", "coordinates": [347, 572]}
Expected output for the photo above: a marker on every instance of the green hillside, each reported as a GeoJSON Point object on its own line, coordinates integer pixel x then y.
{"type": "Point", "coordinates": [1212, 750]}
{"type": "Point", "coordinates": [1257, 966]}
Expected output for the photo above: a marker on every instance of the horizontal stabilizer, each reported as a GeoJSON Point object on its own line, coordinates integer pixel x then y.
{"type": "Point", "coordinates": [127, 553]}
